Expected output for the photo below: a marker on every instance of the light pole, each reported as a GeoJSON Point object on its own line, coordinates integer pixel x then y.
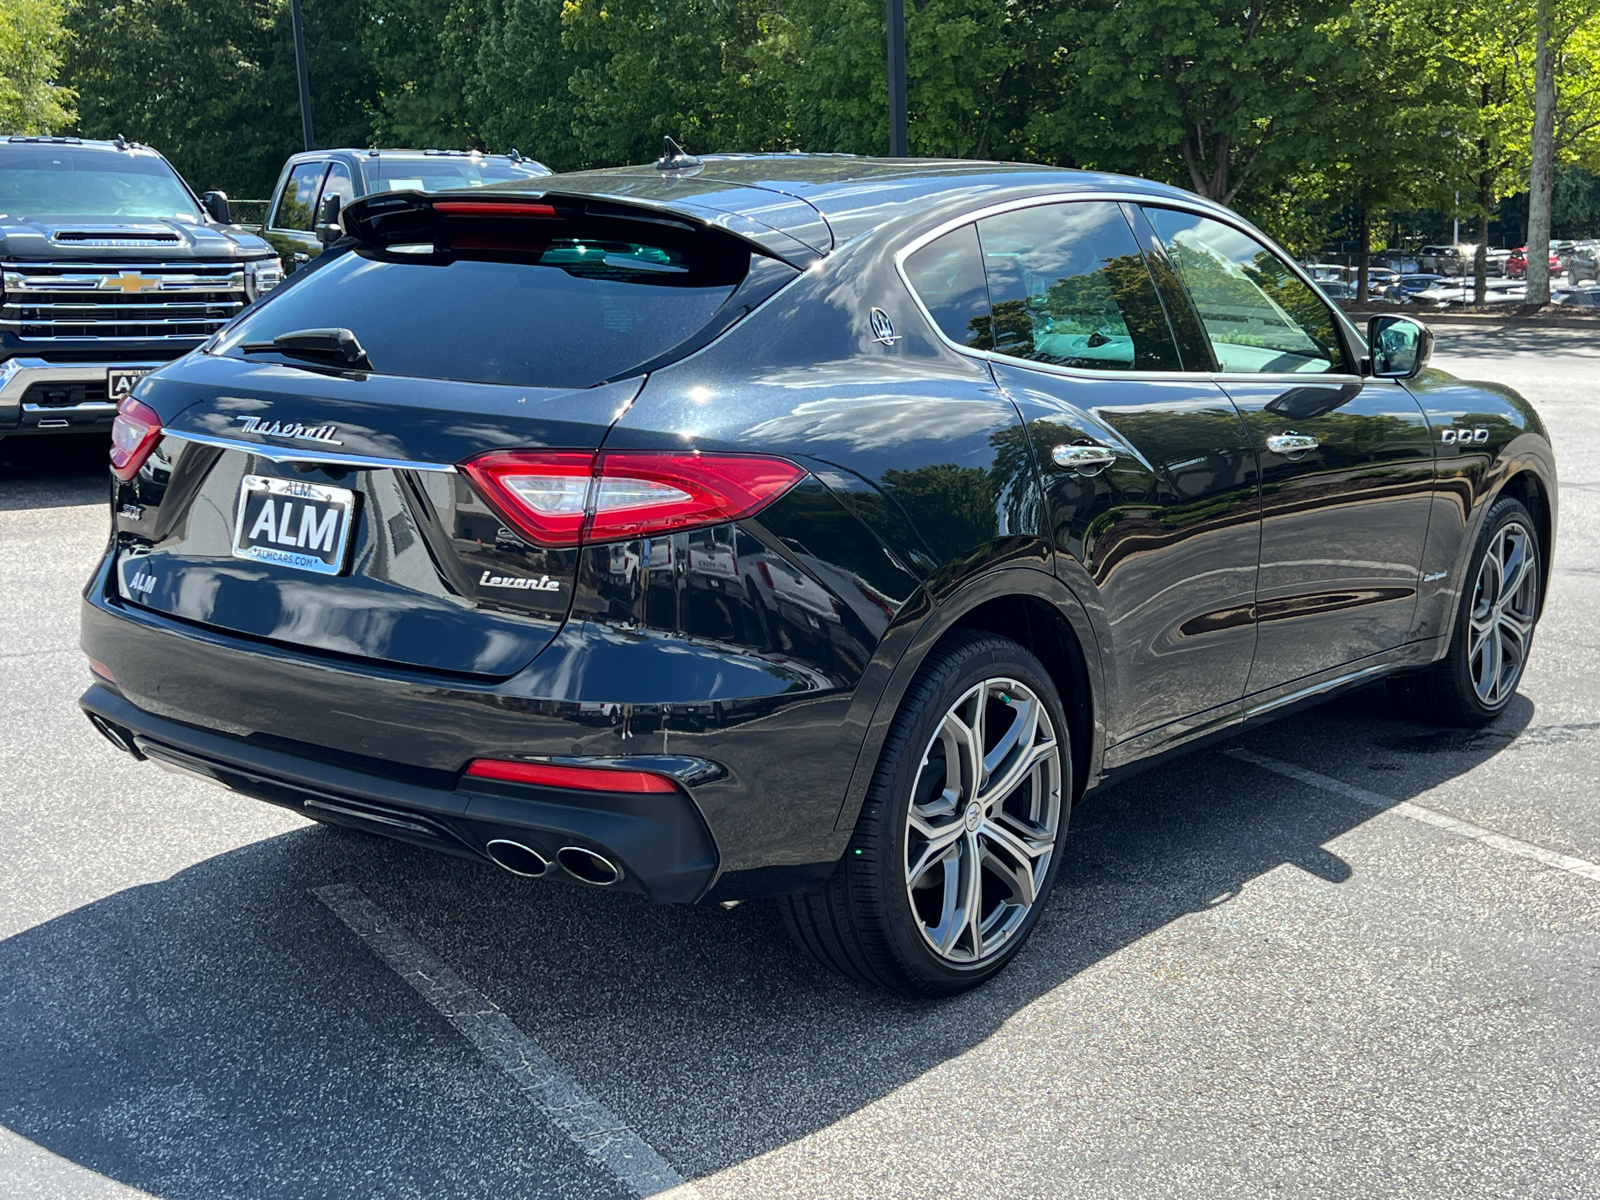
{"type": "Point", "coordinates": [300, 69]}
{"type": "Point", "coordinates": [899, 145]}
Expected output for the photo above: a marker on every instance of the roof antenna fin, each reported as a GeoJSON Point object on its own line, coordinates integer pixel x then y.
{"type": "Point", "coordinates": [674, 158]}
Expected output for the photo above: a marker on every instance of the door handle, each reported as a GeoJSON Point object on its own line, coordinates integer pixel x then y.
{"type": "Point", "coordinates": [1085, 460]}
{"type": "Point", "coordinates": [1291, 444]}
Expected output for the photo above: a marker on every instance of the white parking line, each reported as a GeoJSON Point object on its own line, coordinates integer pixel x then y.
{"type": "Point", "coordinates": [584, 1119]}
{"type": "Point", "coordinates": [1427, 816]}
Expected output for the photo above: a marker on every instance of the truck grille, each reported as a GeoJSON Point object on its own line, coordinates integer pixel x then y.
{"type": "Point", "coordinates": [120, 300]}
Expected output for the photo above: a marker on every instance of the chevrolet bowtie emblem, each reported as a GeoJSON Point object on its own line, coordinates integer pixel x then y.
{"type": "Point", "coordinates": [131, 281]}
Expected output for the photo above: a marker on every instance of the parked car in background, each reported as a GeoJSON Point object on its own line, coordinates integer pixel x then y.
{"type": "Point", "coordinates": [1458, 291]}
{"type": "Point", "coordinates": [1443, 260]}
{"type": "Point", "coordinates": [1399, 262]}
{"type": "Point", "coordinates": [1561, 250]}
{"type": "Point", "coordinates": [112, 267]}
{"type": "Point", "coordinates": [1517, 264]}
{"type": "Point", "coordinates": [618, 528]}
{"type": "Point", "coordinates": [1584, 296]}
{"type": "Point", "coordinates": [1322, 271]}
{"type": "Point", "coordinates": [310, 180]}
{"type": "Point", "coordinates": [1405, 287]}
{"type": "Point", "coordinates": [1584, 262]}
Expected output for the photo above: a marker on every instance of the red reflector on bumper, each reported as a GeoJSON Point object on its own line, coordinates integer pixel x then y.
{"type": "Point", "coordinates": [100, 669]}
{"type": "Point", "coordinates": [589, 779]}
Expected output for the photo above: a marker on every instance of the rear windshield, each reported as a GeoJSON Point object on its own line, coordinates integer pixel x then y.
{"type": "Point", "coordinates": [63, 181]}
{"type": "Point", "coordinates": [442, 174]}
{"type": "Point", "coordinates": [570, 310]}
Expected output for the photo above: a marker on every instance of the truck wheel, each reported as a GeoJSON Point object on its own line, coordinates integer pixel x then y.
{"type": "Point", "coordinates": [959, 838]}
{"type": "Point", "coordinates": [1475, 680]}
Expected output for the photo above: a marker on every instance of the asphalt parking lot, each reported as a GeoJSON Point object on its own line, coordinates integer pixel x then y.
{"type": "Point", "coordinates": [1345, 955]}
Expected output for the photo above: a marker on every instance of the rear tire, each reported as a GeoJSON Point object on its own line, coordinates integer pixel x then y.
{"type": "Point", "coordinates": [1476, 679]}
{"type": "Point", "coordinates": [959, 838]}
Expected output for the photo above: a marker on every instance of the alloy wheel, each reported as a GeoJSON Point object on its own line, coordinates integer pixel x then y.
{"type": "Point", "coordinates": [1504, 606]}
{"type": "Point", "coordinates": [984, 817]}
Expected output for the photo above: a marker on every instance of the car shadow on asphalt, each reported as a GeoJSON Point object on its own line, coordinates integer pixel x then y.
{"type": "Point", "coordinates": [221, 1033]}
{"type": "Point", "coordinates": [52, 472]}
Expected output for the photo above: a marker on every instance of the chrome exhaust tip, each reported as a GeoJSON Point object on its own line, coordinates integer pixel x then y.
{"type": "Point", "coordinates": [589, 867]}
{"type": "Point", "coordinates": [517, 858]}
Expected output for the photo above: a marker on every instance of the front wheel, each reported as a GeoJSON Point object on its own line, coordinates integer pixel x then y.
{"type": "Point", "coordinates": [1476, 679]}
{"type": "Point", "coordinates": [958, 842]}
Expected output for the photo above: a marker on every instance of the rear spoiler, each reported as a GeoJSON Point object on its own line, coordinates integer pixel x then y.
{"type": "Point", "coordinates": [388, 216]}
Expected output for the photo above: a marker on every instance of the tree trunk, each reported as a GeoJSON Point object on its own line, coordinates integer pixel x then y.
{"type": "Point", "coordinates": [1541, 182]}
{"type": "Point", "coordinates": [1364, 256]}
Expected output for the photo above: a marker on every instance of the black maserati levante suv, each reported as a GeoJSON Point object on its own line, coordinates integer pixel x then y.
{"type": "Point", "coordinates": [808, 527]}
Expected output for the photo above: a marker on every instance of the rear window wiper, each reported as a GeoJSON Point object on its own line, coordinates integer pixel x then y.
{"type": "Point", "coordinates": [336, 347]}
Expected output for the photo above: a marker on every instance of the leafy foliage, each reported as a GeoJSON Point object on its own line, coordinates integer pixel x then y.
{"type": "Point", "coordinates": [31, 40]}
{"type": "Point", "coordinates": [1311, 116]}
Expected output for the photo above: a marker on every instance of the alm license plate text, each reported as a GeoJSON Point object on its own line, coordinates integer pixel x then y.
{"type": "Point", "coordinates": [293, 524]}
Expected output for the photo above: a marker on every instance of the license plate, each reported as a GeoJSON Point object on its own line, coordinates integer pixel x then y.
{"type": "Point", "coordinates": [301, 525]}
{"type": "Point", "coordinates": [120, 384]}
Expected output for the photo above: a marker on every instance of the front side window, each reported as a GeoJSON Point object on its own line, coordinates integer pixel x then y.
{"type": "Point", "coordinates": [1260, 316]}
{"type": "Point", "coordinates": [297, 205]}
{"type": "Point", "coordinates": [338, 184]}
{"type": "Point", "coordinates": [1069, 286]}
{"type": "Point", "coordinates": [947, 274]}
{"type": "Point", "coordinates": [64, 181]}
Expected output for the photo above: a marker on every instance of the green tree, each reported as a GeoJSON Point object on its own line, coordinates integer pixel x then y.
{"type": "Point", "coordinates": [213, 87]}
{"type": "Point", "coordinates": [32, 36]}
{"type": "Point", "coordinates": [1219, 96]}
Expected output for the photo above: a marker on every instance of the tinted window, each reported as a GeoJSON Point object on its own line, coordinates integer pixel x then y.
{"type": "Point", "coordinates": [1259, 315]}
{"type": "Point", "coordinates": [440, 173]}
{"type": "Point", "coordinates": [565, 311]}
{"type": "Point", "coordinates": [337, 184]}
{"type": "Point", "coordinates": [948, 274]}
{"type": "Point", "coordinates": [296, 207]}
{"type": "Point", "coordinates": [1068, 286]}
{"type": "Point", "coordinates": [62, 181]}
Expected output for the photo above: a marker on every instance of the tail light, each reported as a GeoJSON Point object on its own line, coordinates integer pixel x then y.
{"type": "Point", "coordinates": [567, 498]}
{"type": "Point", "coordinates": [589, 779]}
{"type": "Point", "coordinates": [134, 434]}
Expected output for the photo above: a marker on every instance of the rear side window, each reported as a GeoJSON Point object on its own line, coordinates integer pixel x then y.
{"type": "Point", "coordinates": [547, 303]}
{"type": "Point", "coordinates": [295, 206]}
{"type": "Point", "coordinates": [1069, 287]}
{"type": "Point", "coordinates": [947, 274]}
{"type": "Point", "coordinates": [1260, 316]}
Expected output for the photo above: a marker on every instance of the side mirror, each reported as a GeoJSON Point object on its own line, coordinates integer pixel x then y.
{"type": "Point", "coordinates": [329, 228]}
{"type": "Point", "coordinates": [217, 206]}
{"type": "Point", "coordinates": [1399, 347]}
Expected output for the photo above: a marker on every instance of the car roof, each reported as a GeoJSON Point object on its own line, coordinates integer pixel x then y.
{"type": "Point", "coordinates": [821, 201]}
{"type": "Point", "coordinates": [378, 152]}
{"type": "Point", "coordinates": [91, 144]}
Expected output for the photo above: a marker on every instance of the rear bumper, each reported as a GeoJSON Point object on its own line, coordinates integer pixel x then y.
{"type": "Point", "coordinates": [763, 774]}
{"type": "Point", "coordinates": [658, 840]}
{"type": "Point", "coordinates": [38, 395]}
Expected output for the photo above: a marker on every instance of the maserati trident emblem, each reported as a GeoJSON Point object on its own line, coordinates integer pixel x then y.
{"type": "Point", "coordinates": [131, 283]}
{"type": "Point", "coordinates": [883, 327]}
{"type": "Point", "coordinates": [293, 430]}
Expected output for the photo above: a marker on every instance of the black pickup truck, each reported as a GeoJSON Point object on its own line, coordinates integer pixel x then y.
{"type": "Point", "coordinates": [110, 266]}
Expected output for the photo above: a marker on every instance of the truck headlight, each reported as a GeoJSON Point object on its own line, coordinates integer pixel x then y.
{"type": "Point", "coordinates": [261, 276]}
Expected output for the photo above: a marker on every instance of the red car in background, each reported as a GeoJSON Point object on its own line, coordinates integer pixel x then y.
{"type": "Point", "coordinates": [1517, 264]}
